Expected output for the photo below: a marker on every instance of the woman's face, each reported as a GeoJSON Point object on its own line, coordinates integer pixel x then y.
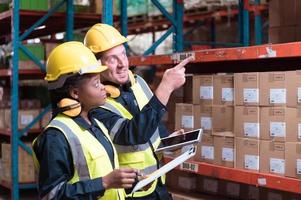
{"type": "Point", "coordinates": [91, 93]}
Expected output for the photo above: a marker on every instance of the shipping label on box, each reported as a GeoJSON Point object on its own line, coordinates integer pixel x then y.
{"type": "Point", "coordinates": [205, 149]}
{"type": "Point", "coordinates": [224, 151]}
{"type": "Point", "coordinates": [246, 121]}
{"type": "Point", "coordinates": [198, 89]}
{"type": "Point", "coordinates": [247, 157]}
{"type": "Point", "coordinates": [223, 89]}
{"type": "Point", "coordinates": [206, 118]}
{"type": "Point", "coordinates": [273, 87]}
{"type": "Point", "coordinates": [272, 157]}
{"type": "Point", "coordinates": [187, 116]}
{"type": "Point", "coordinates": [278, 123]}
{"type": "Point", "coordinates": [246, 87]}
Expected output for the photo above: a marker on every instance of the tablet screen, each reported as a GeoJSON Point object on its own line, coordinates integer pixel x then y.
{"type": "Point", "coordinates": [170, 143]}
{"type": "Point", "coordinates": [189, 136]}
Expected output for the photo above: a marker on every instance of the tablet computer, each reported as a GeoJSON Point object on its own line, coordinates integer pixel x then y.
{"type": "Point", "coordinates": [164, 169]}
{"type": "Point", "coordinates": [175, 142]}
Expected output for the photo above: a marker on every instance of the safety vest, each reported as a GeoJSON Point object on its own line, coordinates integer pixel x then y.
{"type": "Point", "coordinates": [90, 158]}
{"type": "Point", "coordinates": [137, 156]}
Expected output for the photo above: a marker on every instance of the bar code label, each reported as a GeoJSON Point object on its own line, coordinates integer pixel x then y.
{"type": "Point", "coordinates": [189, 166]}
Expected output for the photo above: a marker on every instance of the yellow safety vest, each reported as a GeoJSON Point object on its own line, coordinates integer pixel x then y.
{"type": "Point", "coordinates": [90, 158]}
{"type": "Point", "coordinates": [138, 156]}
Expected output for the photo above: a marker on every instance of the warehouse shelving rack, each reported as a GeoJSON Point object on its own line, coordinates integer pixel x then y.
{"type": "Point", "coordinates": [16, 22]}
{"type": "Point", "coordinates": [240, 59]}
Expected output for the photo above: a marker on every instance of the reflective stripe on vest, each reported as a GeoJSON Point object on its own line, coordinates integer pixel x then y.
{"type": "Point", "coordinates": [136, 156]}
{"type": "Point", "coordinates": [88, 155]}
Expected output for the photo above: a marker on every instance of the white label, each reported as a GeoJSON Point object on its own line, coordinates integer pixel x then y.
{"type": "Point", "coordinates": [278, 95]}
{"type": "Point", "coordinates": [252, 162]}
{"type": "Point", "coordinates": [299, 95]}
{"type": "Point", "coordinates": [299, 166]}
{"type": "Point", "coordinates": [206, 123]}
{"type": "Point", "coordinates": [227, 94]}
{"type": "Point", "coordinates": [251, 95]}
{"type": "Point", "coordinates": [187, 121]}
{"type": "Point", "coordinates": [228, 154]}
{"type": "Point", "coordinates": [206, 92]}
{"type": "Point", "coordinates": [299, 131]}
{"type": "Point", "coordinates": [207, 152]}
{"type": "Point", "coordinates": [277, 129]}
{"type": "Point", "coordinates": [26, 119]}
{"type": "Point", "coordinates": [277, 165]}
{"type": "Point", "coordinates": [251, 129]}
{"type": "Point", "coordinates": [262, 181]}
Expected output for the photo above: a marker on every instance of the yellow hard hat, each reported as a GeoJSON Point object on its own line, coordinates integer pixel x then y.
{"type": "Point", "coordinates": [102, 37]}
{"type": "Point", "coordinates": [71, 58]}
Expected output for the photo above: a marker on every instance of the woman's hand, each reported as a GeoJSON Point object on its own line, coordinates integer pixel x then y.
{"type": "Point", "coordinates": [120, 178]}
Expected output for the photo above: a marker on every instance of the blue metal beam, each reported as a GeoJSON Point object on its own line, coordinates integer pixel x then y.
{"type": "Point", "coordinates": [41, 20]}
{"type": "Point", "coordinates": [32, 57]}
{"type": "Point", "coordinates": [258, 24]}
{"type": "Point", "coordinates": [246, 25]}
{"type": "Point", "coordinates": [69, 20]}
{"type": "Point", "coordinates": [213, 32]}
{"type": "Point", "coordinates": [14, 101]}
{"type": "Point", "coordinates": [178, 12]}
{"type": "Point", "coordinates": [158, 42]}
{"type": "Point", "coordinates": [124, 20]}
{"type": "Point", "coordinates": [25, 147]}
{"type": "Point", "coordinates": [25, 130]}
{"type": "Point", "coordinates": [164, 12]}
{"type": "Point", "coordinates": [107, 11]}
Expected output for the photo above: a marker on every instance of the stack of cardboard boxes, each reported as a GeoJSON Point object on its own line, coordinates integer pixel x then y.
{"type": "Point", "coordinates": [251, 121]}
{"type": "Point", "coordinates": [26, 165]}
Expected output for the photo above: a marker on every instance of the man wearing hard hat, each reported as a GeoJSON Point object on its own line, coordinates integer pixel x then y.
{"type": "Point", "coordinates": [128, 96]}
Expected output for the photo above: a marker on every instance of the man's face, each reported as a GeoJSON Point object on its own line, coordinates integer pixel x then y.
{"type": "Point", "coordinates": [118, 65]}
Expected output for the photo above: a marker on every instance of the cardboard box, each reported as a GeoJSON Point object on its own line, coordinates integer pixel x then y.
{"type": "Point", "coordinates": [208, 185]}
{"type": "Point", "coordinates": [224, 151]}
{"type": "Point", "coordinates": [25, 117]}
{"type": "Point", "coordinates": [24, 157]}
{"type": "Point", "coordinates": [198, 89]}
{"type": "Point", "coordinates": [277, 122]}
{"type": "Point", "coordinates": [293, 159]}
{"type": "Point", "coordinates": [205, 149]}
{"type": "Point", "coordinates": [282, 13]}
{"type": "Point", "coordinates": [273, 88]}
{"type": "Point", "coordinates": [247, 154]}
{"type": "Point", "coordinates": [247, 121]}
{"type": "Point", "coordinates": [294, 88]}
{"type": "Point", "coordinates": [222, 117]}
{"type": "Point", "coordinates": [223, 90]}
{"type": "Point", "coordinates": [181, 181]}
{"type": "Point", "coordinates": [250, 192]}
{"type": "Point", "coordinates": [272, 157]}
{"type": "Point", "coordinates": [187, 116]}
{"type": "Point", "coordinates": [206, 119]}
{"type": "Point", "coordinates": [246, 87]}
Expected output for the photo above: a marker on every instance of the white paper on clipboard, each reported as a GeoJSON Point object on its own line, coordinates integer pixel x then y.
{"type": "Point", "coordinates": [166, 168]}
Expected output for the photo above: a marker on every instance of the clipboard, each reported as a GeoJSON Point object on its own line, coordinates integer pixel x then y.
{"type": "Point", "coordinates": [164, 169]}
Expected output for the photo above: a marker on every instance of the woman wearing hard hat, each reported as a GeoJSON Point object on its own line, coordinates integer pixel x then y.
{"type": "Point", "coordinates": [74, 155]}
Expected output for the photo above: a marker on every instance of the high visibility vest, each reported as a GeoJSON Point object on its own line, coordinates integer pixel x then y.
{"type": "Point", "coordinates": [137, 156]}
{"type": "Point", "coordinates": [90, 158]}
